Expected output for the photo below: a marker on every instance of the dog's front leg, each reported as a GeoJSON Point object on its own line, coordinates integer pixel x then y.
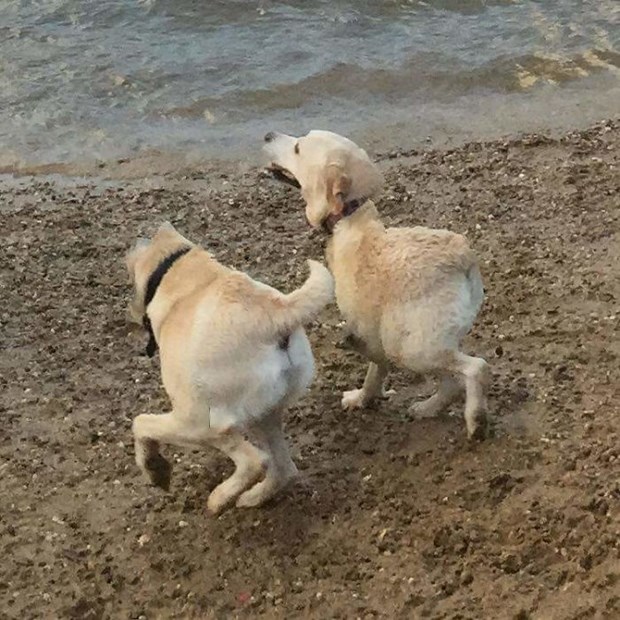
{"type": "Point", "coordinates": [371, 390]}
{"type": "Point", "coordinates": [350, 341]}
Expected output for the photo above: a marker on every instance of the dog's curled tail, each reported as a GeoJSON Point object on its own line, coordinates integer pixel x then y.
{"type": "Point", "coordinates": [303, 304]}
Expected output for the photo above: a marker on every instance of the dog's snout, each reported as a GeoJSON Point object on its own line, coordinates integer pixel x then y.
{"type": "Point", "coordinates": [269, 137]}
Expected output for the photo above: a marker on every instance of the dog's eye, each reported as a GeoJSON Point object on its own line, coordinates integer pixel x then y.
{"type": "Point", "coordinates": [297, 148]}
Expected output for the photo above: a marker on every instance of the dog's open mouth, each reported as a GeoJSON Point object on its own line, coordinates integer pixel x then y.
{"type": "Point", "coordinates": [283, 175]}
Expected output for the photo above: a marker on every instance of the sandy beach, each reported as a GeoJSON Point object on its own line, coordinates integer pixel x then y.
{"type": "Point", "coordinates": [395, 518]}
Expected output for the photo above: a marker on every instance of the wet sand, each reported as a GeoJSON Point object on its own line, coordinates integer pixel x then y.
{"type": "Point", "coordinates": [396, 518]}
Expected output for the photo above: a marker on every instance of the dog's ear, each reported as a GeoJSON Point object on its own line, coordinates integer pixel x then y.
{"type": "Point", "coordinates": [338, 187]}
{"type": "Point", "coordinates": [136, 305]}
{"type": "Point", "coordinates": [132, 256]}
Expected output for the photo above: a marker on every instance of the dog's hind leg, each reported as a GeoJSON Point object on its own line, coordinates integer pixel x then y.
{"type": "Point", "coordinates": [372, 388]}
{"type": "Point", "coordinates": [250, 464]}
{"type": "Point", "coordinates": [474, 372]}
{"type": "Point", "coordinates": [281, 469]}
{"type": "Point", "coordinates": [448, 390]}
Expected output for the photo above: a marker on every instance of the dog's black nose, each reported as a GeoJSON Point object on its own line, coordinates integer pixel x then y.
{"type": "Point", "coordinates": [270, 136]}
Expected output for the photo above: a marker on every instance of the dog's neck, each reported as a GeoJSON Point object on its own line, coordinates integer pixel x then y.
{"type": "Point", "coordinates": [349, 208]}
{"type": "Point", "coordinates": [351, 231]}
{"type": "Point", "coordinates": [152, 284]}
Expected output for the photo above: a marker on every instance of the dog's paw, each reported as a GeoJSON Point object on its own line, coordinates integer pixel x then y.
{"type": "Point", "coordinates": [353, 399]}
{"type": "Point", "coordinates": [477, 428]}
{"type": "Point", "coordinates": [218, 500]}
{"type": "Point", "coordinates": [159, 471]}
{"type": "Point", "coordinates": [477, 432]}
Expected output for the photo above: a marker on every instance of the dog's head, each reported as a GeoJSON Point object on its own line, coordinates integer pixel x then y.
{"type": "Point", "coordinates": [144, 257]}
{"type": "Point", "coordinates": [329, 169]}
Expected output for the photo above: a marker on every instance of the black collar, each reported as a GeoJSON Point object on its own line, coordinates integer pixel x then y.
{"type": "Point", "coordinates": [350, 207]}
{"type": "Point", "coordinates": [152, 285]}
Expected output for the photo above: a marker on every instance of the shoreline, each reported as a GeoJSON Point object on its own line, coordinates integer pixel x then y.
{"type": "Point", "coordinates": [398, 517]}
{"type": "Point", "coordinates": [225, 77]}
{"type": "Point", "coordinates": [157, 163]}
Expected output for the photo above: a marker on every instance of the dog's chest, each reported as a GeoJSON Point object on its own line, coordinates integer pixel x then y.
{"type": "Point", "coordinates": [354, 296]}
{"type": "Point", "coordinates": [348, 298]}
{"type": "Point", "coordinates": [344, 269]}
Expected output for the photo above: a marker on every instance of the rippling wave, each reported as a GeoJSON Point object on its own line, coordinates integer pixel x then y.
{"type": "Point", "coordinates": [109, 78]}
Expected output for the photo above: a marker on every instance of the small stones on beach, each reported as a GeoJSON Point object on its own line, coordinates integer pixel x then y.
{"type": "Point", "coordinates": [144, 539]}
{"type": "Point", "coordinates": [536, 505]}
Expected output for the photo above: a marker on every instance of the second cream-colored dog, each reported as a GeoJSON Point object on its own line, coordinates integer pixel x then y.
{"type": "Point", "coordinates": [234, 356]}
{"type": "Point", "coordinates": [409, 295]}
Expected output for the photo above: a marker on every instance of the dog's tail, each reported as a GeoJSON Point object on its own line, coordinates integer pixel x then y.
{"type": "Point", "coordinates": [302, 305]}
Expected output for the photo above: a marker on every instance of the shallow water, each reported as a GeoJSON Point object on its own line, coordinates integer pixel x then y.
{"type": "Point", "coordinates": [101, 79]}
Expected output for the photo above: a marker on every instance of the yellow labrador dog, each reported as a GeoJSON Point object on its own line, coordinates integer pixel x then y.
{"type": "Point", "coordinates": [233, 356]}
{"type": "Point", "coordinates": [409, 295]}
